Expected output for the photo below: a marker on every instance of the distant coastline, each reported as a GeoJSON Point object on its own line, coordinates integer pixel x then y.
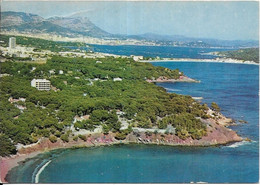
{"type": "Point", "coordinates": [217, 60]}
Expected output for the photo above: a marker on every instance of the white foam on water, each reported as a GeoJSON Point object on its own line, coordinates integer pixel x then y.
{"type": "Point", "coordinates": [170, 89]}
{"type": "Point", "coordinates": [40, 171]}
{"type": "Point", "coordinates": [238, 144]}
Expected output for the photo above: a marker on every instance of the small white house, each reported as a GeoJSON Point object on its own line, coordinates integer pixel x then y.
{"type": "Point", "coordinates": [22, 99]}
{"type": "Point", "coordinates": [137, 58]}
{"type": "Point", "coordinates": [81, 118]}
{"type": "Point", "coordinates": [117, 79]}
{"type": "Point", "coordinates": [60, 72]}
{"type": "Point", "coordinates": [170, 129]}
{"type": "Point", "coordinates": [33, 68]}
{"type": "Point", "coordinates": [52, 72]}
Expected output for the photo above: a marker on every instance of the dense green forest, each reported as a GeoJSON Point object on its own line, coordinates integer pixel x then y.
{"type": "Point", "coordinates": [249, 54]}
{"type": "Point", "coordinates": [41, 44]}
{"type": "Point", "coordinates": [87, 88]}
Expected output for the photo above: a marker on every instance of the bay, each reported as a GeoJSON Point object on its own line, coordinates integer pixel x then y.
{"type": "Point", "coordinates": [156, 51]}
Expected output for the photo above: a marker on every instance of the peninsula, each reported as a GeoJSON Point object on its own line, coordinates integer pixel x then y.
{"type": "Point", "coordinates": [63, 100]}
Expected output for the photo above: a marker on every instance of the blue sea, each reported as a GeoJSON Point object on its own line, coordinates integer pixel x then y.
{"type": "Point", "coordinates": [156, 51]}
{"type": "Point", "coordinates": [234, 87]}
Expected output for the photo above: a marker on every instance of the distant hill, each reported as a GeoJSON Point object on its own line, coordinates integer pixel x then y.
{"type": "Point", "coordinates": [18, 18]}
{"type": "Point", "coordinates": [71, 27]}
{"type": "Point", "coordinates": [203, 42]}
{"type": "Point", "coordinates": [80, 25]}
{"type": "Point", "coordinates": [249, 54]}
{"type": "Point", "coordinates": [40, 27]}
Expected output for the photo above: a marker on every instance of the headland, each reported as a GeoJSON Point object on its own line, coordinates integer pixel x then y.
{"type": "Point", "coordinates": [217, 134]}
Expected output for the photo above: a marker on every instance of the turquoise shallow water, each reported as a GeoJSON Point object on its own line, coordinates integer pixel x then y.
{"type": "Point", "coordinates": [233, 86]}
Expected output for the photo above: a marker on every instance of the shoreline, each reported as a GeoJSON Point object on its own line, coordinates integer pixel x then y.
{"type": "Point", "coordinates": [217, 135]}
{"type": "Point", "coordinates": [14, 161]}
{"type": "Point", "coordinates": [182, 78]}
{"type": "Point", "coordinates": [217, 60]}
{"type": "Point", "coordinates": [24, 157]}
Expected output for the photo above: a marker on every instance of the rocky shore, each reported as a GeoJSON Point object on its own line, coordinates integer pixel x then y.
{"type": "Point", "coordinates": [182, 78]}
{"type": "Point", "coordinates": [217, 134]}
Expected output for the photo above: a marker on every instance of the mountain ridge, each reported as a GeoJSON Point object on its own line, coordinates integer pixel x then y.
{"type": "Point", "coordinates": [10, 18]}
{"type": "Point", "coordinates": [65, 26]}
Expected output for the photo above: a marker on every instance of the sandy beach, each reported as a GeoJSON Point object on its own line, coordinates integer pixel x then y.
{"type": "Point", "coordinates": [7, 163]}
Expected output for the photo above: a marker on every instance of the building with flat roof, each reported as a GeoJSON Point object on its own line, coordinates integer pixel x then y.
{"type": "Point", "coordinates": [137, 58]}
{"type": "Point", "coordinates": [12, 42]}
{"type": "Point", "coordinates": [41, 84]}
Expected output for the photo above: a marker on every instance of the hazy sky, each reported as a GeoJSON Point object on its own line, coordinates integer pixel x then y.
{"type": "Point", "coordinates": [223, 20]}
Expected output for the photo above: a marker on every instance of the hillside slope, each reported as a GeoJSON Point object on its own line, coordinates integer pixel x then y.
{"type": "Point", "coordinates": [18, 18]}
{"type": "Point", "coordinates": [64, 26]}
{"type": "Point", "coordinates": [249, 54]}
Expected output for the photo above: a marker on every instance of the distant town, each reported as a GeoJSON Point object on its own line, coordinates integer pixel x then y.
{"type": "Point", "coordinates": [40, 52]}
{"type": "Point", "coordinates": [31, 54]}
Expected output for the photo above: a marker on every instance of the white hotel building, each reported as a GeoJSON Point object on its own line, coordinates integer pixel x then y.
{"type": "Point", "coordinates": [41, 84]}
{"type": "Point", "coordinates": [12, 42]}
